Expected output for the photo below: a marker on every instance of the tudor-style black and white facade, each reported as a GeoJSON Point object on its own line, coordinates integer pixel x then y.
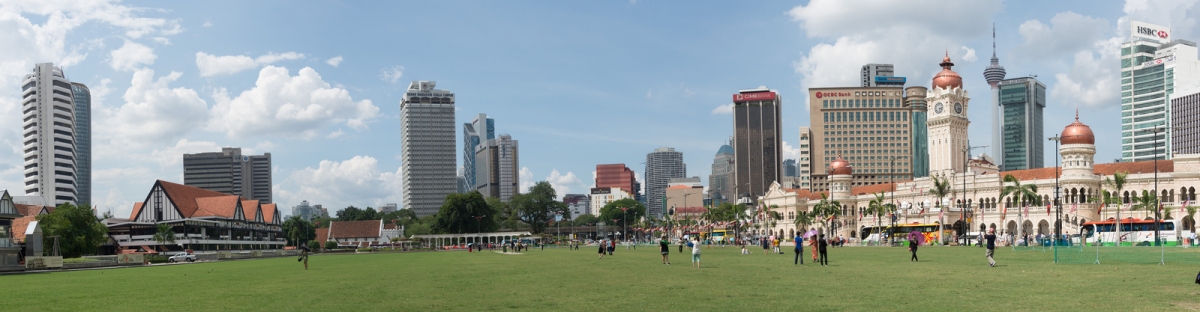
{"type": "Point", "coordinates": [201, 220]}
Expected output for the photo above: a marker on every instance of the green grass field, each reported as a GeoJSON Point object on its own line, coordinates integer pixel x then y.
{"type": "Point", "coordinates": [858, 278]}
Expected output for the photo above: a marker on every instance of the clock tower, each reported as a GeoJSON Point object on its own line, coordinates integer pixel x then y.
{"type": "Point", "coordinates": [947, 125]}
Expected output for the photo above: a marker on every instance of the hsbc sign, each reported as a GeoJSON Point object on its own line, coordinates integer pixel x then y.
{"type": "Point", "coordinates": [831, 94]}
{"type": "Point", "coordinates": [1151, 31]}
{"type": "Point", "coordinates": [756, 96]}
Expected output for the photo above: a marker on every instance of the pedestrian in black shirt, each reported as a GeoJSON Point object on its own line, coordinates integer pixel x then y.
{"type": "Point", "coordinates": [822, 244]}
{"type": "Point", "coordinates": [912, 246]}
{"type": "Point", "coordinates": [664, 250]}
{"type": "Point", "coordinates": [991, 246]}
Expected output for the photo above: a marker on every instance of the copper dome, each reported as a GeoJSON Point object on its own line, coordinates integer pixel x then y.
{"type": "Point", "coordinates": [1078, 133]}
{"type": "Point", "coordinates": [947, 78]}
{"type": "Point", "coordinates": [840, 166]}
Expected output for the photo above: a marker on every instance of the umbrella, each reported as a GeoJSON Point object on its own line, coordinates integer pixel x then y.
{"type": "Point", "coordinates": [810, 233]}
{"type": "Point", "coordinates": [917, 236]}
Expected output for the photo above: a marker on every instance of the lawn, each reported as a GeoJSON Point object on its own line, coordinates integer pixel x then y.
{"type": "Point", "coordinates": [858, 278]}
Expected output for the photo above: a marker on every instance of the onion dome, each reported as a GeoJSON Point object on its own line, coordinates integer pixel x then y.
{"type": "Point", "coordinates": [1078, 133]}
{"type": "Point", "coordinates": [840, 166]}
{"type": "Point", "coordinates": [947, 78]}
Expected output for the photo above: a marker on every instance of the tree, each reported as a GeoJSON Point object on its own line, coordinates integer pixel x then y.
{"type": "Point", "coordinates": [878, 207]}
{"type": "Point", "coordinates": [459, 211]}
{"type": "Point", "coordinates": [402, 217]}
{"type": "Point", "coordinates": [612, 211]}
{"type": "Point", "coordinates": [586, 219]}
{"type": "Point", "coordinates": [314, 245]}
{"type": "Point", "coordinates": [825, 210]}
{"type": "Point", "coordinates": [352, 213]}
{"type": "Point", "coordinates": [1021, 194]}
{"type": "Point", "coordinates": [1189, 221]}
{"type": "Point", "coordinates": [940, 189]}
{"type": "Point", "coordinates": [298, 230]}
{"type": "Point", "coordinates": [78, 231]}
{"type": "Point", "coordinates": [164, 235]}
{"type": "Point", "coordinates": [538, 206]}
{"type": "Point", "coordinates": [507, 215]}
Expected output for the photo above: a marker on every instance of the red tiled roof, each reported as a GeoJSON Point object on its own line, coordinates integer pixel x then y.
{"type": "Point", "coordinates": [137, 207]}
{"type": "Point", "coordinates": [185, 196]}
{"type": "Point", "coordinates": [389, 226]}
{"type": "Point", "coordinates": [1032, 174]}
{"type": "Point", "coordinates": [354, 229]}
{"type": "Point", "coordinates": [31, 210]}
{"type": "Point", "coordinates": [250, 208]}
{"type": "Point", "coordinates": [810, 195]}
{"type": "Point", "coordinates": [217, 206]}
{"type": "Point", "coordinates": [322, 236]}
{"type": "Point", "coordinates": [1135, 167]}
{"type": "Point", "coordinates": [19, 225]}
{"type": "Point", "coordinates": [269, 212]}
{"type": "Point", "coordinates": [872, 189]}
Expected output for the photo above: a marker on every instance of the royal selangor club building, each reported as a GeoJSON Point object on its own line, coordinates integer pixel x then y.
{"type": "Point", "coordinates": [201, 220]}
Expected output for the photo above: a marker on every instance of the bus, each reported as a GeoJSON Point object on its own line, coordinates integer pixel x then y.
{"type": "Point", "coordinates": [1132, 232]}
{"type": "Point", "coordinates": [718, 235]}
{"type": "Point", "coordinates": [899, 234]}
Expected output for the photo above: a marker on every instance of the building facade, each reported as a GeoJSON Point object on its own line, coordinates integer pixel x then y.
{"type": "Point", "coordinates": [683, 196]}
{"type": "Point", "coordinates": [947, 126]}
{"type": "Point", "coordinates": [869, 127]}
{"type": "Point", "coordinates": [601, 196]}
{"type": "Point", "coordinates": [1185, 105]}
{"type": "Point", "coordinates": [804, 165]}
{"type": "Point", "coordinates": [1153, 66]}
{"type": "Point", "coordinates": [426, 147]}
{"type": "Point", "coordinates": [497, 168]}
{"type": "Point", "coordinates": [757, 145]}
{"type": "Point", "coordinates": [1023, 100]}
{"type": "Point", "coordinates": [578, 204]}
{"type": "Point", "coordinates": [477, 132]}
{"type": "Point", "coordinates": [48, 107]}
{"type": "Point", "coordinates": [83, 142]}
{"type": "Point", "coordinates": [881, 75]}
{"type": "Point", "coordinates": [789, 168]}
{"type": "Point", "coordinates": [994, 74]}
{"type": "Point", "coordinates": [306, 211]}
{"type": "Point", "coordinates": [662, 165]}
{"type": "Point", "coordinates": [720, 181]}
{"type": "Point", "coordinates": [230, 172]}
{"type": "Point", "coordinates": [918, 114]}
{"type": "Point", "coordinates": [618, 176]}
{"type": "Point", "coordinates": [388, 208]}
{"type": "Point", "coordinates": [201, 219]}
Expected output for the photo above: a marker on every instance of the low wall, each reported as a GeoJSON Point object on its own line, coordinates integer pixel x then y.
{"type": "Point", "coordinates": [43, 263]}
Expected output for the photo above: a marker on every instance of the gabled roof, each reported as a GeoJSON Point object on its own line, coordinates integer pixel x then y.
{"type": "Point", "coordinates": [137, 207]}
{"type": "Point", "coordinates": [250, 209]}
{"type": "Point", "coordinates": [269, 211]}
{"type": "Point", "coordinates": [323, 235]}
{"type": "Point", "coordinates": [217, 206]}
{"type": "Point", "coordinates": [355, 229]}
{"type": "Point", "coordinates": [31, 210]}
{"type": "Point", "coordinates": [184, 197]}
{"type": "Point", "coordinates": [19, 225]}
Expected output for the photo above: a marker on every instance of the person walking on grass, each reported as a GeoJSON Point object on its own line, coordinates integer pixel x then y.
{"type": "Point", "coordinates": [766, 245]}
{"type": "Point", "coordinates": [601, 246]}
{"type": "Point", "coordinates": [823, 243]}
{"type": "Point", "coordinates": [912, 246]}
{"type": "Point", "coordinates": [664, 249]}
{"type": "Point", "coordinates": [304, 255]}
{"type": "Point", "coordinates": [991, 246]}
{"type": "Point", "coordinates": [696, 253]}
{"type": "Point", "coordinates": [775, 244]}
{"type": "Point", "coordinates": [799, 249]}
{"type": "Point", "coordinates": [812, 243]}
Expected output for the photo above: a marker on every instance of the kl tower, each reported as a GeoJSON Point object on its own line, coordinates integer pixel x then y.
{"type": "Point", "coordinates": [994, 74]}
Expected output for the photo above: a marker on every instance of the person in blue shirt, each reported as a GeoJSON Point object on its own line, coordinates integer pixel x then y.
{"type": "Point", "coordinates": [799, 249]}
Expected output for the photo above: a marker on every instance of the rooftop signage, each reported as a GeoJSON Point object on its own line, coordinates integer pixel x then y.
{"type": "Point", "coordinates": [1151, 31]}
{"type": "Point", "coordinates": [831, 94]}
{"type": "Point", "coordinates": [755, 96]}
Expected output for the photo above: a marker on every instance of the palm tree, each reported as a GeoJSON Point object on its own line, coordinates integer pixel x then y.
{"type": "Point", "coordinates": [164, 235]}
{"type": "Point", "coordinates": [1189, 222]}
{"type": "Point", "coordinates": [878, 207]}
{"type": "Point", "coordinates": [940, 189]}
{"type": "Point", "coordinates": [825, 209]}
{"type": "Point", "coordinates": [1117, 183]}
{"type": "Point", "coordinates": [1020, 193]}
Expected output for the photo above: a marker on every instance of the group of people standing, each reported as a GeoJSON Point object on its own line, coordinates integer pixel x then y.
{"type": "Point", "coordinates": [819, 246]}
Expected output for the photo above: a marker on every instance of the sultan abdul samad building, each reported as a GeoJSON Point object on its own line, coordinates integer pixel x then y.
{"type": "Point", "coordinates": [1079, 176]}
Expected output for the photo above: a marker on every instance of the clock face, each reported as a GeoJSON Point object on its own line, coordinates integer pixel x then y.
{"type": "Point", "coordinates": [958, 108]}
{"type": "Point", "coordinates": [938, 108]}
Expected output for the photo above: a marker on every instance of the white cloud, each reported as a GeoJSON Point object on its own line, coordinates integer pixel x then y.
{"type": "Point", "coordinates": [969, 55]}
{"type": "Point", "coordinates": [130, 56]}
{"type": "Point", "coordinates": [334, 61]}
{"type": "Point", "coordinates": [1093, 78]}
{"type": "Point", "coordinates": [265, 146]}
{"type": "Point", "coordinates": [790, 152]}
{"type": "Point", "coordinates": [285, 105]}
{"type": "Point", "coordinates": [391, 74]}
{"type": "Point", "coordinates": [526, 179]}
{"type": "Point", "coordinates": [212, 65]}
{"type": "Point", "coordinates": [356, 181]}
{"type": "Point", "coordinates": [562, 183]}
{"type": "Point", "coordinates": [206, 24]}
{"type": "Point", "coordinates": [153, 113]}
{"type": "Point", "coordinates": [162, 40]}
{"type": "Point", "coordinates": [723, 109]}
{"type": "Point", "coordinates": [862, 31]}
{"type": "Point", "coordinates": [1067, 34]}
{"type": "Point", "coordinates": [173, 156]}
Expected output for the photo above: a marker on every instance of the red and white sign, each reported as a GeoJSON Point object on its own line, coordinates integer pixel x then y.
{"type": "Point", "coordinates": [756, 96]}
{"type": "Point", "coordinates": [831, 94]}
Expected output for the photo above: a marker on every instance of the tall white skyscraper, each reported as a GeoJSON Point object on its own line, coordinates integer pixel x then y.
{"type": "Point", "coordinates": [662, 165]}
{"type": "Point", "coordinates": [475, 133]}
{"type": "Point", "coordinates": [994, 73]}
{"type": "Point", "coordinates": [83, 142]}
{"type": "Point", "coordinates": [1153, 66]}
{"type": "Point", "coordinates": [426, 147]}
{"type": "Point", "coordinates": [49, 135]}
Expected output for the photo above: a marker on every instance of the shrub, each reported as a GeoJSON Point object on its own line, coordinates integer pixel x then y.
{"type": "Point", "coordinates": [364, 250]}
{"type": "Point", "coordinates": [331, 245]}
{"type": "Point", "coordinates": [156, 258]}
{"type": "Point", "coordinates": [314, 245]}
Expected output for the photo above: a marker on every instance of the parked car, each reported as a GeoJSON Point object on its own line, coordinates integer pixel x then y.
{"type": "Point", "coordinates": [183, 256]}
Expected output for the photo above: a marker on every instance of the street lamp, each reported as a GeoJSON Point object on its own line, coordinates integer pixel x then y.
{"type": "Point", "coordinates": [478, 229]}
{"type": "Point", "coordinates": [1057, 197]}
{"type": "Point", "coordinates": [1157, 217]}
{"type": "Point", "coordinates": [558, 216]}
{"type": "Point", "coordinates": [625, 225]}
{"type": "Point", "coordinates": [892, 176]}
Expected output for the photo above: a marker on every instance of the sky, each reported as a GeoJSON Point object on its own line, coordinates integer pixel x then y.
{"type": "Point", "coordinates": [317, 84]}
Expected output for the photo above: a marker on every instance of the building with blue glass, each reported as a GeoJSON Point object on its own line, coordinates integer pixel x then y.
{"type": "Point", "coordinates": [83, 142]}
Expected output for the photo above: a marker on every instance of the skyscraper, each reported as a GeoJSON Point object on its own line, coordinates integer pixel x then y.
{"type": "Point", "coordinates": [881, 75]}
{"type": "Point", "coordinates": [1153, 66]}
{"type": "Point", "coordinates": [804, 164]}
{"type": "Point", "coordinates": [497, 168]}
{"type": "Point", "coordinates": [1185, 104]}
{"type": "Point", "coordinates": [49, 135]}
{"type": "Point", "coordinates": [756, 142]}
{"type": "Point", "coordinates": [618, 176]}
{"type": "Point", "coordinates": [426, 147]}
{"type": "Point", "coordinates": [662, 165]}
{"type": "Point", "coordinates": [994, 73]}
{"type": "Point", "coordinates": [83, 142]}
{"type": "Point", "coordinates": [1023, 100]}
{"type": "Point", "coordinates": [306, 212]}
{"type": "Point", "coordinates": [789, 168]}
{"type": "Point", "coordinates": [230, 172]}
{"type": "Point", "coordinates": [474, 133]}
{"type": "Point", "coordinates": [866, 126]}
{"type": "Point", "coordinates": [948, 122]}
{"type": "Point", "coordinates": [578, 204]}
{"type": "Point", "coordinates": [720, 182]}
{"type": "Point", "coordinates": [914, 98]}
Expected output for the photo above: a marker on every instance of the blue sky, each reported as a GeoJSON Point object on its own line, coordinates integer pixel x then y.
{"type": "Point", "coordinates": [317, 84]}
